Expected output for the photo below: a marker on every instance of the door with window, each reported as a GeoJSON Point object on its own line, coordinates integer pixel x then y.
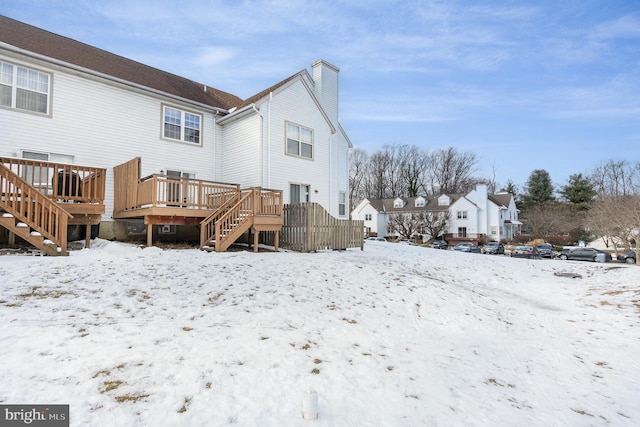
{"type": "Point", "coordinates": [178, 193]}
{"type": "Point", "coordinates": [41, 176]}
{"type": "Point", "coordinates": [299, 193]}
{"type": "Point", "coordinates": [462, 231]}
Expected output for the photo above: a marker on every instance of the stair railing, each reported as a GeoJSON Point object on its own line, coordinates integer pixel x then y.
{"type": "Point", "coordinates": [29, 205]}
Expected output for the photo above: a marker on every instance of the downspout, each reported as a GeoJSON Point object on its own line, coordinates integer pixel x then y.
{"type": "Point", "coordinates": [253, 106]}
{"type": "Point", "coordinates": [269, 143]}
{"type": "Point", "coordinates": [330, 174]}
{"type": "Point", "coordinates": [215, 130]}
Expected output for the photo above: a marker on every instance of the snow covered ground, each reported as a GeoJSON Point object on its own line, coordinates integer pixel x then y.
{"type": "Point", "coordinates": [394, 335]}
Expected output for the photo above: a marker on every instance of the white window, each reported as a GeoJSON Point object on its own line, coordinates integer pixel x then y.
{"type": "Point", "coordinates": [461, 214]}
{"type": "Point", "coordinates": [398, 203]}
{"type": "Point", "coordinates": [299, 193]}
{"type": "Point", "coordinates": [299, 141]}
{"type": "Point", "coordinates": [167, 229]}
{"type": "Point", "coordinates": [494, 230]}
{"type": "Point", "coordinates": [24, 89]}
{"type": "Point", "coordinates": [421, 202]}
{"type": "Point", "coordinates": [342, 203]}
{"type": "Point", "coordinates": [444, 201]}
{"type": "Point", "coordinates": [181, 125]}
{"type": "Point", "coordinates": [367, 217]}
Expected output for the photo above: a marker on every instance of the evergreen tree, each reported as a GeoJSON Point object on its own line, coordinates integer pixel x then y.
{"type": "Point", "coordinates": [579, 191]}
{"type": "Point", "coordinates": [538, 189]}
{"type": "Point", "coordinates": [512, 189]}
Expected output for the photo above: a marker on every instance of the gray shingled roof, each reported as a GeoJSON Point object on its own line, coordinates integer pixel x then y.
{"type": "Point", "coordinates": [386, 205]}
{"type": "Point", "coordinates": [33, 39]}
{"type": "Point", "coordinates": [502, 199]}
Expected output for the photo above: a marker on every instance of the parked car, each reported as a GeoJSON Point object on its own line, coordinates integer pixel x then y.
{"type": "Point", "coordinates": [629, 257]}
{"type": "Point", "coordinates": [546, 250]}
{"type": "Point", "coordinates": [584, 254]}
{"type": "Point", "coordinates": [530, 252]}
{"type": "Point", "coordinates": [466, 247]}
{"type": "Point", "coordinates": [493, 248]}
{"type": "Point", "coordinates": [438, 244]}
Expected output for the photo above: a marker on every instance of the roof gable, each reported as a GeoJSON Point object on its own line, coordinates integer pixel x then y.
{"type": "Point", "coordinates": [301, 76]}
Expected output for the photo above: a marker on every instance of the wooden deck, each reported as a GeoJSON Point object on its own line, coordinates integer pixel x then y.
{"type": "Point", "coordinates": [39, 199]}
{"type": "Point", "coordinates": [222, 211]}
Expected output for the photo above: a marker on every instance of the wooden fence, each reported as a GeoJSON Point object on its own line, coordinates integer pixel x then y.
{"type": "Point", "coordinates": [309, 227]}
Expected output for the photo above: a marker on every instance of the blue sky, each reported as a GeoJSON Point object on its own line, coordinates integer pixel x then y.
{"type": "Point", "coordinates": [523, 84]}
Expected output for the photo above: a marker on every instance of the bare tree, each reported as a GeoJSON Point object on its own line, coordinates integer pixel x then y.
{"type": "Point", "coordinates": [377, 185]}
{"type": "Point", "coordinates": [599, 222]}
{"type": "Point", "coordinates": [413, 164]}
{"type": "Point", "coordinates": [451, 171]}
{"type": "Point", "coordinates": [551, 219]}
{"type": "Point", "coordinates": [405, 224]}
{"type": "Point", "coordinates": [434, 223]}
{"type": "Point", "coordinates": [358, 173]}
{"type": "Point", "coordinates": [616, 178]}
{"type": "Point", "coordinates": [625, 219]}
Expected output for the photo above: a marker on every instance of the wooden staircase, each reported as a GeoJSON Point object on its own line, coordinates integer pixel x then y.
{"type": "Point", "coordinates": [253, 208]}
{"type": "Point", "coordinates": [32, 216]}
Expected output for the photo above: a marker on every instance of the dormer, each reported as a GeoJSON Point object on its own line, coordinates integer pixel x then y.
{"type": "Point", "coordinates": [420, 202]}
{"type": "Point", "coordinates": [444, 200]}
{"type": "Point", "coordinates": [398, 203]}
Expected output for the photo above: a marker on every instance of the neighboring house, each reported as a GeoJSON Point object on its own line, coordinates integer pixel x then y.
{"type": "Point", "coordinates": [378, 214]}
{"type": "Point", "coordinates": [479, 215]}
{"type": "Point", "coordinates": [475, 216]}
{"type": "Point", "coordinates": [67, 102]}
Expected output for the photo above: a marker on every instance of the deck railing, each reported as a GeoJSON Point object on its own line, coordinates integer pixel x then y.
{"type": "Point", "coordinates": [60, 181]}
{"type": "Point", "coordinates": [228, 219]}
{"type": "Point", "coordinates": [463, 236]}
{"type": "Point", "coordinates": [160, 190]}
{"type": "Point", "coordinates": [29, 205]}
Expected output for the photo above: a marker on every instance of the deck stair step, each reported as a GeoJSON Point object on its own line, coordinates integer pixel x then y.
{"type": "Point", "coordinates": [29, 235]}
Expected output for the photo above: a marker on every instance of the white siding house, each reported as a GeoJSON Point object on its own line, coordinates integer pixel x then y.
{"type": "Point", "coordinates": [102, 110]}
{"type": "Point", "coordinates": [476, 215]}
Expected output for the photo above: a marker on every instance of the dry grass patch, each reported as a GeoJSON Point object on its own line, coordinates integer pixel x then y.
{"type": "Point", "coordinates": [110, 385]}
{"type": "Point", "coordinates": [131, 398]}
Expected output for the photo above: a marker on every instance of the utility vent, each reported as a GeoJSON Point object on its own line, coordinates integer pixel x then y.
{"type": "Point", "coordinates": [167, 229]}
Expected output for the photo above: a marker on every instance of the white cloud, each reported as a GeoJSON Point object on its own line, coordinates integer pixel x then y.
{"type": "Point", "coordinates": [213, 56]}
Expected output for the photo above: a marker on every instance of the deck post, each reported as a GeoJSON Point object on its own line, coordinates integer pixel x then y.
{"type": "Point", "coordinates": [149, 235]}
{"type": "Point", "coordinates": [256, 235]}
{"type": "Point", "coordinates": [87, 236]}
{"type": "Point", "coordinates": [12, 239]}
{"type": "Point", "coordinates": [276, 240]}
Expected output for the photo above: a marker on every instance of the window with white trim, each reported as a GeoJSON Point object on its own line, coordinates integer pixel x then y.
{"type": "Point", "coordinates": [181, 125]}
{"type": "Point", "coordinates": [299, 193]}
{"type": "Point", "coordinates": [24, 89]}
{"type": "Point", "coordinates": [461, 214]}
{"type": "Point", "coordinates": [367, 217]}
{"type": "Point", "coordinates": [342, 203]}
{"type": "Point", "coordinates": [299, 141]}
